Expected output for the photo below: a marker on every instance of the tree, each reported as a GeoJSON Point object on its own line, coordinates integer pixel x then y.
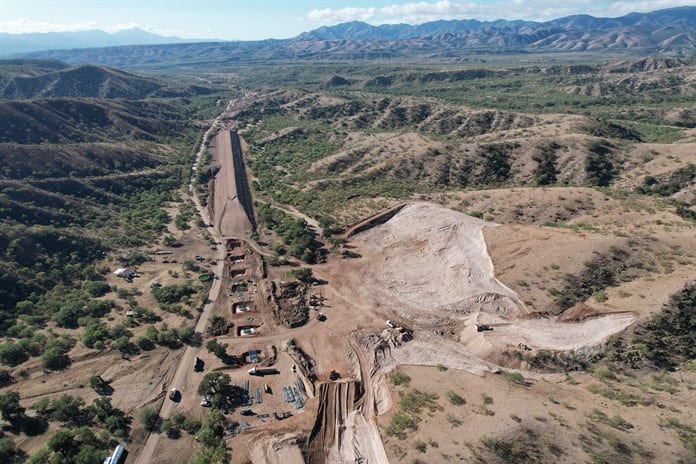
{"type": "Point", "coordinates": [124, 345]}
{"type": "Point", "coordinates": [220, 350]}
{"type": "Point", "coordinates": [42, 407]}
{"type": "Point", "coordinates": [144, 343]}
{"type": "Point", "coordinates": [63, 442]}
{"type": "Point", "coordinates": [10, 409]}
{"type": "Point", "coordinates": [94, 332]}
{"type": "Point", "coordinates": [55, 358]}
{"type": "Point", "coordinates": [599, 166]}
{"type": "Point", "coordinates": [212, 429]}
{"type": "Point", "coordinates": [97, 288]}
{"type": "Point", "coordinates": [218, 325]}
{"type": "Point", "coordinates": [304, 275]}
{"type": "Point", "coordinates": [113, 419]}
{"type": "Point", "coordinates": [169, 428]}
{"type": "Point", "coordinates": [214, 455]}
{"type": "Point", "coordinates": [100, 385]}
{"type": "Point", "coordinates": [8, 450]}
{"type": "Point", "coordinates": [12, 353]}
{"type": "Point", "coordinates": [68, 408]}
{"type": "Point", "coordinates": [189, 335]}
{"type": "Point", "coordinates": [191, 425]}
{"type": "Point", "coordinates": [149, 416]}
{"type": "Point", "coordinates": [545, 171]}
{"type": "Point", "coordinates": [89, 454]}
{"type": "Point", "coordinates": [101, 408]}
{"type": "Point", "coordinates": [328, 226]}
{"type": "Point", "coordinates": [213, 383]}
{"type": "Point", "coordinates": [40, 457]}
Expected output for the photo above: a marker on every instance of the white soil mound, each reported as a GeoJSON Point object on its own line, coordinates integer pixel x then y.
{"type": "Point", "coordinates": [430, 264]}
{"type": "Point", "coordinates": [434, 259]}
{"type": "Point", "coordinates": [550, 334]}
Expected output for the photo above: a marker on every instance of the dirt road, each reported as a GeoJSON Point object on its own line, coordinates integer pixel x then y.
{"type": "Point", "coordinates": [187, 359]}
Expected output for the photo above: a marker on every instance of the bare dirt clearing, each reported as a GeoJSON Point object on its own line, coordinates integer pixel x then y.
{"type": "Point", "coordinates": [565, 430]}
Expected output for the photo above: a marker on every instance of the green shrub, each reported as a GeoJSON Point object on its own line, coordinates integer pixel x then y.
{"type": "Point", "coordinates": [420, 445]}
{"type": "Point", "coordinates": [149, 416]}
{"type": "Point", "coordinates": [171, 294]}
{"type": "Point", "coordinates": [599, 167]}
{"type": "Point", "coordinates": [400, 423]}
{"type": "Point", "coordinates": [413, 401]}
{"type": "Point", "coordinates": [669, 338]}
{"type": "Point", "coordinates": [604, 373]}
{"type": "Point", "coordinates": [97, 288]}
{"type": "Point", "coordinates": [514, 377]}
{"type": "Point", "coordinates": [399, 379]}
{"type": "Point", "coordinates": [454, 398]}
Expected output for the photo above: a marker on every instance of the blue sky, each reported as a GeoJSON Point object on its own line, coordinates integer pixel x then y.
{"type": "Point", "coordinates": [250, 20]}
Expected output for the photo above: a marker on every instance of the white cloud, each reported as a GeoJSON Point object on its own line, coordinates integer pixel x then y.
{"type": "Point", "coordinates": [343, 14]}
{"type": "Point", "coordinates": [540, 10]}
{"type": "Point", "coordinates": [20, 26]}
{"type": "Point", "coordinates": [400, 12]}
{"type": "Point", "coordinates": [621, 7]}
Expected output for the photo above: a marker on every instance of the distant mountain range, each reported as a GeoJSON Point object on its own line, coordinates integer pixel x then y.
{"type": "Point", "coordinates": [28, 79]}
{"type": "Point", "coordinates": [673, 28]}
{"type": "Point", "coordinates": [23, 43]}
{"type": "Point", "coordinates": [682, 19]}
{"type": "Point", "coordinates": [671, 31]}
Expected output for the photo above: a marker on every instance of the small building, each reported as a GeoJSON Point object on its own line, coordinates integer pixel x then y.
{"type": "Point", "coordinates": [125, 272]}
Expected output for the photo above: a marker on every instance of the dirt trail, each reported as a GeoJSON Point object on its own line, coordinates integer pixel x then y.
{"type": "Point", "coordinates": [292, 211]}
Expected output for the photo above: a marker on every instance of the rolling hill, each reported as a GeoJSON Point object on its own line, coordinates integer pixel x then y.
{"type": "Point", "coordinates": [82, 149]}
{"type": "Point", "coordinates": [27, 79]}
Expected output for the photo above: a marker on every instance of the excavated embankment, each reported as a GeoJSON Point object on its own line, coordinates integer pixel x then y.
{"type": "Point", "coordinates": [231, 209]}
{"type": "Point", "coordinates": [336, 401]}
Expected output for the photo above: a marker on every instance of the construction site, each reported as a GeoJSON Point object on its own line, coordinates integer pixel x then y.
{"type": "Point", "coordinates": [312, 359]}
